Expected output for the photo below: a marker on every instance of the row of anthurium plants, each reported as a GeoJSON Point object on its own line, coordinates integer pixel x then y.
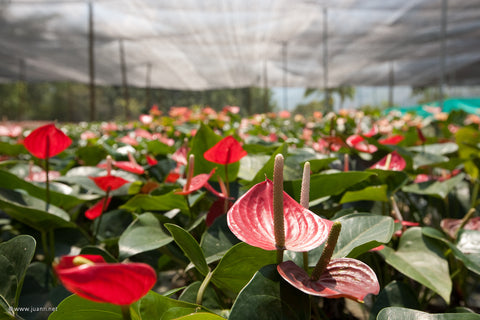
{"type": "Point", "coordinates": [199, 214]}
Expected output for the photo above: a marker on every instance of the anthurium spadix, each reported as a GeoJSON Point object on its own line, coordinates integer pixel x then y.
{"type": "Point", "coordinates": [251, 219]}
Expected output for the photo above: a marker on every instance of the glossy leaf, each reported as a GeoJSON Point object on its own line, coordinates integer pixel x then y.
{"type": "Point", "coordinates": [143, 234]}
{"type": "Point", "coordinates": [267, 296]}
{"type": "Point", "coordinates": [16, 255]}
{"type": "Point", "coordinates": [148, 202]}
{"type": "Point", "coordinates": [343, 278]}
{"type": "Point", "coordinates": [397, 313]}
{"type": "Point", "coordinates": [201, 316]}
{"type": "Point", "coordinates": [421, 259]}
{"type": "Point", "coordinates": [238, 266]}
{"type": "Point", "coordinates": [218, 239]}
{"type": "Point", "coordinates": [25, 209]}
{"type": "Point", "coordinates": [467, 138]}
{"type": "Point", "coordinates": [210, 298]}
{"type": "Point", "coordinates": [372, 193]}
{"type": "Point", "coordinates": [105, 282]}
{"type": "Point", "coordinates": [323, 185]}
{"type": "Point", "coordinates": [251, 220]}
{"type": "Point", "coordinates": [12, 181]}
{"type": "Point", "coordinates": [189, 246]}
{"type": "Point", "coordinates": [395, 294]}
{"type": "Point", "coordinates": [468, 260]}
{"type": "Point", "coordinates": [77, 308]}
{"type": "Point", "coordinates": [267, 169]}
{"type": "Point", "coordinates": [46, 141]}
{"type": "Point", "coordinates": [438, 189]}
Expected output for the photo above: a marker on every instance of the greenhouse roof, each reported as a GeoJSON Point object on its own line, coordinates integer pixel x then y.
{"type": "Point", "coordinates": [188, 44]}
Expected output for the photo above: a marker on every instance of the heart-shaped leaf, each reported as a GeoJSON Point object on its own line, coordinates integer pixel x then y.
{"type": "Point", "coordinates": [143, 234]}
{"type": "Point", "coordinates": [189, 246]}
{"type": "Point", "coordinates": [421, 259]}
{"type": "Point", "coordinates": [163, 202]}
{"type": "Point", "coordinates": [267, 296]}
{"type": "Point", "coordinates": [218, 239]}
{"type": "Point", "coordinates": [438, 189]}
{"type": "Point", "coordinates": [395, 294]}
{"type": "Point", "coordinates": [372, 193]}
{"type": "Point", "coordinates": [238, 266]}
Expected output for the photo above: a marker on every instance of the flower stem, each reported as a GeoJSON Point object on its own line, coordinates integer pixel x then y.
{"type": "Point", "coordinates": [304, 201]}
{"type": "Point", "coordinates": [47, 181]}
{"type": "Point", "coordinates": [278, 219]}
{"type": "Point", "coordinates": [203, 287]}
{"type": "Point", "coordinates": [327, 251]}
{"type": "Point", "coordinates": [126, 312]}
{"type": "Point", "coordinates": [191, 163]}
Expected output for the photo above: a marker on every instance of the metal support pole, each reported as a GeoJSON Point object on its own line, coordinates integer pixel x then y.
{"type": "Point", "coordinates": [325, 60]}
{"type": "Point", "coordinates": [148, 93]}
{"type": "Point", "coordinates": [123, 67]}
{"type": "Point", "coordinates": [265, 87]}
{"type": "Point", "coordinates": [285, 80]}
{"type": "Point", "coordinates": [91, 60]}
{"type": "Point", "coordinates": [391, 83]}
{"type": "Point", "coordinates": [443, 32]}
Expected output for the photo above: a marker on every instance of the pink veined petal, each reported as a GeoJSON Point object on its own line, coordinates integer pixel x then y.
{"type": "Point", "coordinates": [343, 278]}
{"type": "Point", "coordinates": [251, 220]}
{"type": "Point", "coordinates": [129, 166]}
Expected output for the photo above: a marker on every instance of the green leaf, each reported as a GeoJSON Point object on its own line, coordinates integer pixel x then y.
{"type": "Point", "coordinates": [156, 306]}
{"type": "Point", "coordinates": [267, 169]}
{"type": "Point", "coordinates": [468, 242]}
{"type": "Point", "coordinates": [421, 259]}
{"type": "Point", "coordinates": [12, 182]}
{"type": "Point", "coordinates": [189, 246]}
{"type": "Point", "coordinates": [393, 179]}
{"type": "Point", "coordinates": [91, 155]}
{"type": "Point", "coordinates": [239, 264]}
{"type": "Point", "coordinates": [77, 308]}
{"type": "Point", "coordinates": [397, 313]}
{"type": "Point", "coordinates": [468, 260]}
{"type": "Point", "coordinates": [143, 234]}
{"type": "Point", "coordinates": [201, 316]}
{"type": "Point", "coordinates": [8, 280]}
{"type": "Point", "coordinates": [99, 251]}
{"type": "Point", "coordinates": [436, 148]}
{"type": "Point", "coordinates": [19, 252]}
{"type": "Point", "coordinates": [439, 189]}
{"type": "Point", "coordinates": [422, 159]}
{"type": "Point", "coordinates": [467, 139]}
{"type": "Point", "coordinates": [323, 185]}
{"type": "Point", "coordinates": [25, 208]}
{"type": "Point", "coordinates": [13, 150]}
{"type": "Point", "coordinates": [156, 147]}
{"type": "Point", "coordinates": [210, 298]}
{"type": "Point", "coordinates": [395, 294]}
{"type": "Point", "coordinates": [163, 202]}
{"type": "Point", "coordinates": [218, 239]}
{"type": "Point", "coordinates": [317, 165]}
{"type": "Point", "coordinates": [268, 296]}
{"type": "Point", "coordinates": [372, 193]}
{"type": "Point", "coordinates": [204, 139]}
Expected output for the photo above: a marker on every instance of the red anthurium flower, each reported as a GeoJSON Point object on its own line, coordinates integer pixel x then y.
{"type": "Point", "coordinates": [196, 183]}
{"type": "Point", "coordinates": [392, 161]}
{"type": "Point", "coordinates": [95, 211]}
{"type": "Point", "coordinates": [393, 140]}
{"type": "Point", "coordinates": [344, 277]}
{"type": "Point", "coordinates": [151, 160]}
{"type": "Point", "coordinates": [96, 280]}
{"type": "Point", "coordinates": [404, 225]}
{"type": "Point", "coordinates": [226, 151]}
{"type": "Point", "coordinates": [46, 141]}
{"type": "Point", "coordinates": [109, 182]}
{"type": "Point", "coordinates": [251, 220]}
{"type": "Point", "coordinates": [130, 166]}
{"type": "Point", "coordinates": [358, 142]}
{"type": "Point", "coordinates": [219, 207]}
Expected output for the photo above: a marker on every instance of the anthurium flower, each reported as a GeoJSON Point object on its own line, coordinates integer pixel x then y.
{"type": "Point", "coordinates": [251, 220]}
{"type": "Point", "coordinates": [392, 161]}
{"type": "Point", "coordinates": [46, 141]}
{"type": "Point", "coordinates": [151, 160]}
{"type": "Point", "coordinates": [90, 277]}
{"type": "Point", "coordinates": [450, 226]}
{"type": "Point", "coordinates": [358, 142]}
{"type": "Point", "coordinates": [95, 211]}
{"type": "Point", "coordinates": [196, 183]}
{"type": "Point", "coordinates": [109, 182]}
{"type": "Point", "coordinates": [226, 151]}
{"type": "Point", "coordinates": [342, 278]}
{"type": "Point", "coordinates": [393, 140]}
{"type": "Point", "coordinates": [130, 166]}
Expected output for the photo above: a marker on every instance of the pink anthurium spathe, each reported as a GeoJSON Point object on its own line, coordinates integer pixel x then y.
{"type": "Point", "coordinates": [342, 278]}
{"type": "Point", "coordinates": [251, 220]}
{"type": "Point", "coordinates": [226, 151]}
{"type": "Point", "coordinates": [359, 143]}
{"type": "Point", "coordinates": [130, 166]}
{"type": "Point", "coordinates": [46, 141]}
{"type": "Point", "coordinates": [196, 183]}
{"type": "Point", "coordinates": [96, 211]}
{"type": "Point", "coordinates": [393, 140]}
{"type": "Point", "coordinates": [392, 161]}
{"type": "Point", "coordinates": [90, 277]}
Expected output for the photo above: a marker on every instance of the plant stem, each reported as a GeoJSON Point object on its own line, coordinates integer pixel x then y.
{"type": "Point", "coordinates": [327, 251]}
{"type": "Point", "coordinates": [203, 287]}
{"type": "Point", "coordinates": [278, 219]}
{"type": "Point", "coordinates": [126, 312]}
{"type": "Point", "coordinates": [227, 182]}
{"type": "Point", "coordinates": [47, 181]}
